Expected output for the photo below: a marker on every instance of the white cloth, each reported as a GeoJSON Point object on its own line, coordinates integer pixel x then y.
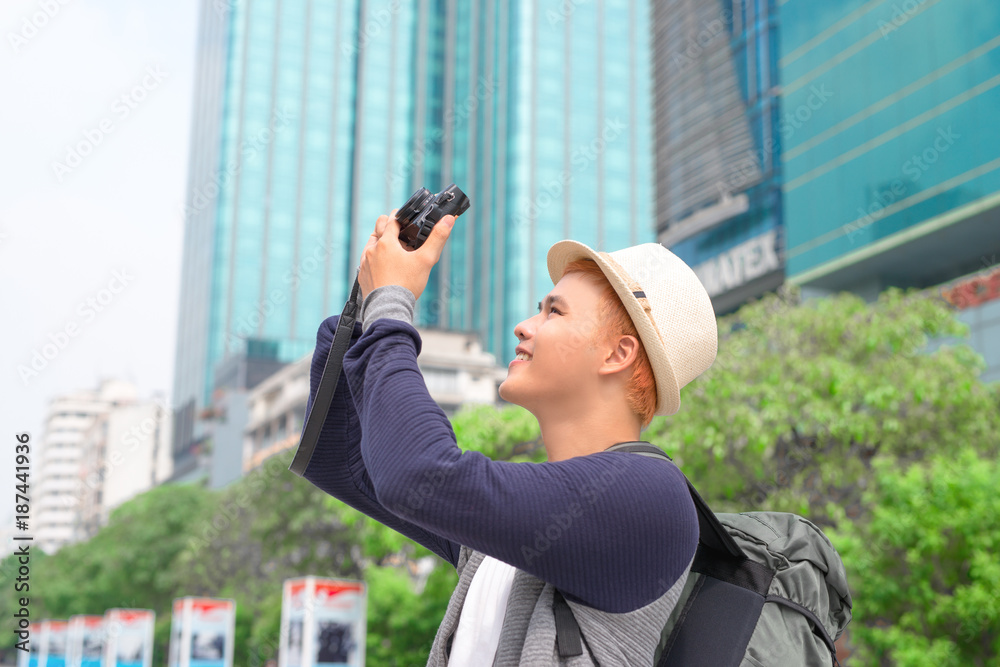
{"type": "Point", "coordinates": [478, 632]}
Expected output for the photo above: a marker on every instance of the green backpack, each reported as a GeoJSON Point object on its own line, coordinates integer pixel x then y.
{"type": "Point", "coordinates": [766, 589]}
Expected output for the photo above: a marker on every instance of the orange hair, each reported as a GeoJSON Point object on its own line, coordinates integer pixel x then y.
{"type": "Point", "coordinates": [613, 321]}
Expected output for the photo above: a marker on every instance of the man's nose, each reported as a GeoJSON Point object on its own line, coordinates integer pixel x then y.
{"type": "Point", "coordinates": [525, 329]}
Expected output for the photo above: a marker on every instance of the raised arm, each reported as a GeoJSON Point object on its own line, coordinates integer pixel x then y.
{"type": "Point", "coordinates": [337, 466]}
{"type": "Point", "coordinates": [611, 530]}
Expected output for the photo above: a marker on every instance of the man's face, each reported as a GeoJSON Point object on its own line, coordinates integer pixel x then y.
{"type": "Point", "coordinates": [564, 361]}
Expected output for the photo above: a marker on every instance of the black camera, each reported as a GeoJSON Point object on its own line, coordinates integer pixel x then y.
{"type": "Point", "coordinates": [422, 211]}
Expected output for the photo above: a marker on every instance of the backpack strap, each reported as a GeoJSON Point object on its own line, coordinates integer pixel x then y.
{"type": "Point", "coordinates": [731, 594]}
{"type": "Point", "coordinates": [715, 546]}
{"type": "Point", "coordinates": [568, 638]}
{"type": "Point", "coordinates": [818, 628]}
{"type": "Point", "coordinates": [712, 534]}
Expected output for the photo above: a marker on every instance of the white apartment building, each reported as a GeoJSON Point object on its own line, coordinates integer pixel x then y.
{"type": "Point", "coordinates": [99, 448]}
{"type": "Point", "coordinates": [126, 452]}
{"type": "Point", "coordinates": [55, 493]}
{"type": "Point", "coordinates": [456, 371]}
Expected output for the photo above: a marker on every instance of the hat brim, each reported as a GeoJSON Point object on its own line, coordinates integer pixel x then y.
{"type": "Point", "coordinates": [667, 391]}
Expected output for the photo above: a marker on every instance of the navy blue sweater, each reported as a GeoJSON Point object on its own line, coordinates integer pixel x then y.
{"type": "Point", "coordinates": [611, 530]}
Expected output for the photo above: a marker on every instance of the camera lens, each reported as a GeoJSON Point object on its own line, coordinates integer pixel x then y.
{"type": "Point", "coordinates": [409, 211]}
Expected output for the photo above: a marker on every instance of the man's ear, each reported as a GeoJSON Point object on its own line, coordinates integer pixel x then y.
{"type": "Point", "coordinates": [622, 355]}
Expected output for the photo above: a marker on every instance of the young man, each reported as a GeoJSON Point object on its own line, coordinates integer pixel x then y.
{"type": "Point", "coordinates": [611, 533]}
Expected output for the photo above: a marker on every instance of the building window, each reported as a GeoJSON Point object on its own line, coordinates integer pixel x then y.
{"type": "Point", "coordinates": [441, 381]}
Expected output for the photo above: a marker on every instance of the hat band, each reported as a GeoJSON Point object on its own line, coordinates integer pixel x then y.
{"type": "Point", "coordinates": [636, 289]}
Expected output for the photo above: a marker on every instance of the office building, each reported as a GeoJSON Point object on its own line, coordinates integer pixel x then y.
{"type": "Point", "coordinates": [545, 119]}
{"type": "Point", "coordinates": [893, 177]}
{"type": "Point", "coordinates": [125, 452]}
{"type": "Point", "coordinates": [57, 493]}
{"type": "Point", "coordinates": [718, 143]}
{"type": "Point", "coordinates": [313, 118]}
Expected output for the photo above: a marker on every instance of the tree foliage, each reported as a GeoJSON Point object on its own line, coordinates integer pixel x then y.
{"type": "Point", "coordinates": [926, 564]}
{"type": "Point", "coordinates": [846, 412]}
{"type": "Point", "coordinates": [802, 397]}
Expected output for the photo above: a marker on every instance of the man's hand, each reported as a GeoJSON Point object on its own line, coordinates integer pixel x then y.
{"type": "Point", "coordinates": [388, 261]}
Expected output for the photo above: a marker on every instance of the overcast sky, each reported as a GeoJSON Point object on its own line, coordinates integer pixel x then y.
{"type": "Point", "coordinates": [110, 80]}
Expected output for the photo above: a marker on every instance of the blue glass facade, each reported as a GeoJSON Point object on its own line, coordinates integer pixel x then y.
{"type": "Point", "coordinates": [313, 118]}
{"type": "Point", "coordinates": [546, 124]}
{"type": "Point", "coordinates": [270, 228]}
{"type": "Point", "coordinates": [719, 141]}
{"type": "Point", "coordinates": [903, 142]}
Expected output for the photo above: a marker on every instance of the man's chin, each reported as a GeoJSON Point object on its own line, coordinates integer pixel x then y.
{"type": "Point", "coordinates": [507, 393]}
{"type": "Point", "coordinates": [515, 394]}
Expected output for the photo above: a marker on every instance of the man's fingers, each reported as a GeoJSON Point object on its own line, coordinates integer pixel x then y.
{"type": "Point", "coordinates": [392, 229]}
{"type": "Point", "coordinates": [439, 236]}
{"type": "Point", "coordinates": [380, 224]}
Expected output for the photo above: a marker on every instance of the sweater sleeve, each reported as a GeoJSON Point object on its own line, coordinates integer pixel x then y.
{"type": "Point", "coordinates": [611, 530]}
{"type": "Point", "coordinates": [336, 465]}
{"type": "Point", "coordinates": [393, 301]}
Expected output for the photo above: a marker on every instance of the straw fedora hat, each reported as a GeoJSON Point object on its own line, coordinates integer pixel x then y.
{"type": "Point", "coordinates": [668, 305]}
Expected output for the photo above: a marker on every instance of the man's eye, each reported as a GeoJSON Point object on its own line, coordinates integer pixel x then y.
{"type": "Point", "coordinates": [552, 309]}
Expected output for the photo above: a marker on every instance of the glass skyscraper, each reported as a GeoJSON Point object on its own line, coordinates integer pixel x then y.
{"type": "Point", "coordinates": [313, 118]}
{"type": "Point", "coordinates": [892, 173]}
{"type": "Point", "coordinates": [718, 143]}
{"type": "Point", "coordinates": [544, 109]}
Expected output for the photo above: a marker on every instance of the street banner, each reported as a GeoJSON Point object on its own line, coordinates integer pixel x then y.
{"type": "Point", "coordinates": [55, 643]}
{"type": "Point", "coordinates": [85, 641]}
{"type": "Point", "coordinates": [323, 623]}
{"type": "Point", "coordinates": [202, 632]}
{"type": "Point", "coordinates": [128, 637]}
{"type": "Point", "coordinates": [32, 657]}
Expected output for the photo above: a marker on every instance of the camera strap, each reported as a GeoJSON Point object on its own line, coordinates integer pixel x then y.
{"type": "Point", "coordinates": [327, 384]}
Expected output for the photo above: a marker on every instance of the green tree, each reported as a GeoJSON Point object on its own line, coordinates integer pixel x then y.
{"type": "Point", "coordinates": [802, 397]}
{"type": "Point", "coordinates": [129, 563]}
{"type": "Point", "coordinates": [925, 564]}
{"type": "Point", "coordinates": [402, 622]}
{"type": "Point", "coordinates": [809, 405]}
